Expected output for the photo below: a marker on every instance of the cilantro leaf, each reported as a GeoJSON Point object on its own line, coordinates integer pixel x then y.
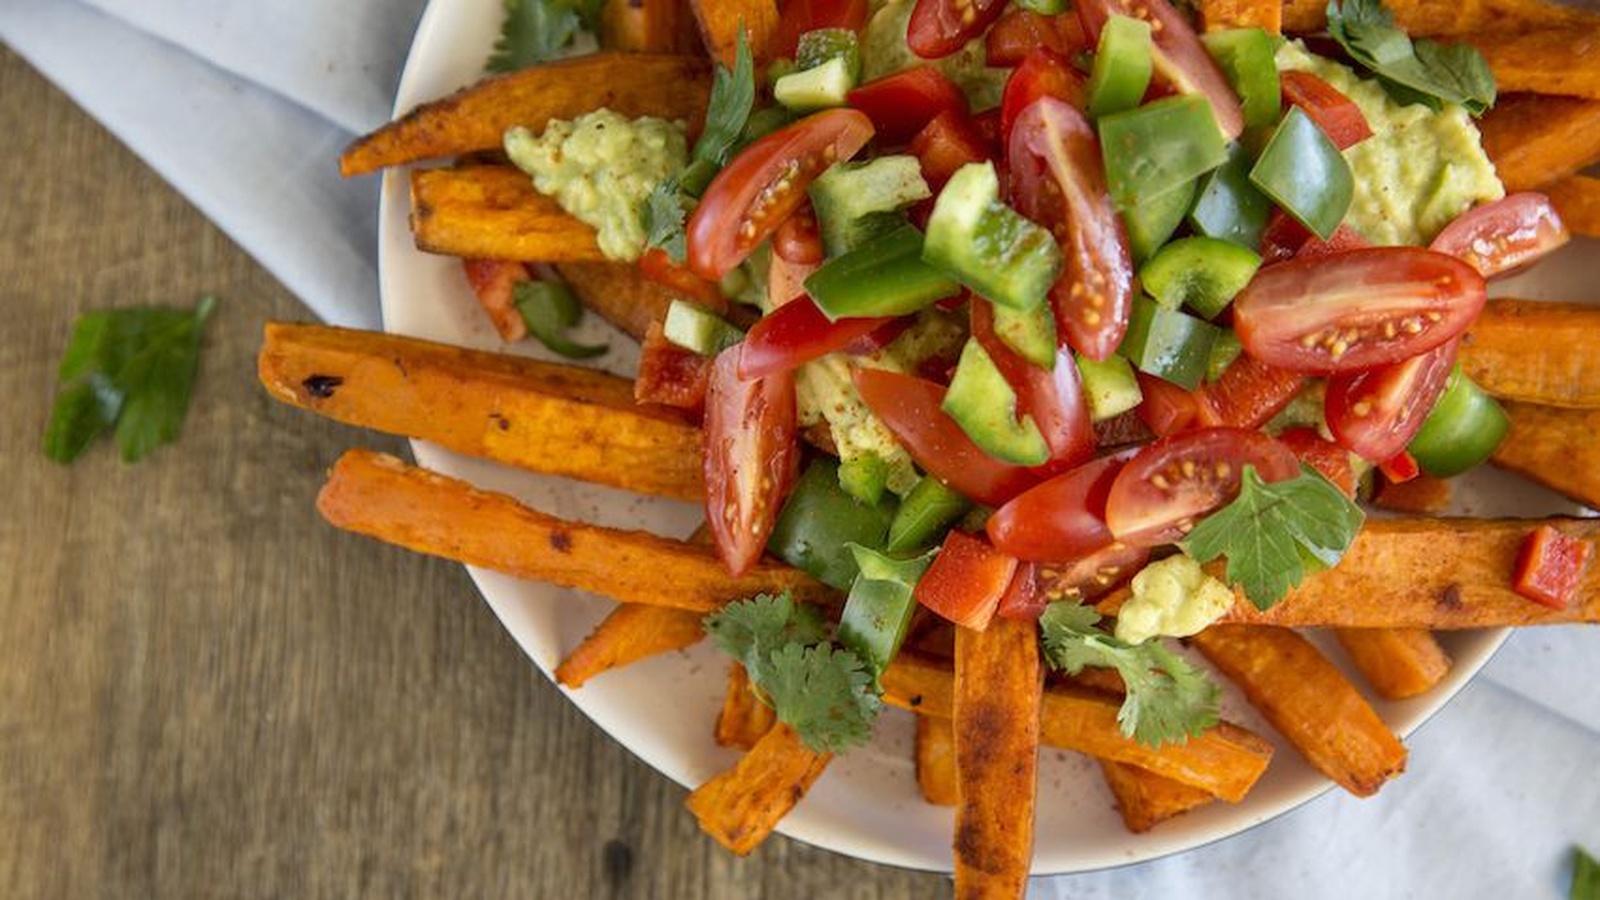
{"type": "Point", "coordinates": [1168, 700]}
{"type": "Point", "coordinates": [1424, 72]}
{"type": "Point", "coordinates": [824, 692]}
{"type": "Point", "coordinates": [1270, 527]}
{"type": "Point", "coordinates": [131, 370]}
{"type": "Point", "coordinates": [534, 31]}
{"type": "Point", "coordinates": [1585, 876]}
{"type": "Point", "coordinates": [664, 215]}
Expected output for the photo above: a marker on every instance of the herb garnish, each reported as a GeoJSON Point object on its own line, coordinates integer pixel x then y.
{"type": "Point", "coordinates": [1168, 700]}
{"type": "Point", "coordinates": [534, 31]}
{"type": "Point", "coordinates": [823, 691]}
{"type": "Point", "coordinates": [132, 369]}
{"type": "Point", "coordinates": [1272, 530]}
{"type": "Point", "coordinates": [1420, 71]}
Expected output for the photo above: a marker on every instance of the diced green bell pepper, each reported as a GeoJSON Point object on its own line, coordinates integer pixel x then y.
{"type": "Point", "coordinates": [1247, 56]}
{"type": "Point", "coordinates": [1229, 207]}
{"type": "Point", "coordinates": [1168, 344]}
{"type": "Point", "coordinates": [927, 511]}
{"type": "Point", "coordinates": [819, 519]}
{"type": "Point", "coordinates": [1202, 273]}
{"type": "Point", "coordinates": [988, 246]}
{"type": "Point", "coordinates": [886, 276]}
{"type": "Point", "coordinates": [1303, 172]}
{"type": "Point", "coordinates": [1464, 428]}
{"type": "Point", "coordinates": [1152, 223]}
{"type": "Point", "coordinates": [985, 406]}
{"type": "Point", "coordinates": [1159, 147]}
{"type": "Point", "coordinates": [879, 607]}
{"type": "Point", "coordinates": [1122, 66]}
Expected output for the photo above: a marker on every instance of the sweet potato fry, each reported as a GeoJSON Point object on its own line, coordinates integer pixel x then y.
{"type": "Point", "coordinates": [1565, 371]}
{"type": "Point", "coordinates": [475, 118]}
{"type": "Point", "coordinates": [1224, 761]}
{"type": "Point", "coordinates": [1554, 447]}
{"type": "Point", "coordinates": [547, 417]}
{"type": "Point", "coordinates": [1217, 15]}
{"type": "Point", "coordinates": [380, 496]}
{"type": "Point", "coordinates": [1557, 60]}
{"type": "Point", "coordinates": [1397, 662]}
{"type": "Point", "coordinates": [1438, 574]}
{"type": "Point", "coordinates": [1535, 140]}
{"type": "Point", "coordinates": [1423, 495]}
{"type": "Point", "coordinates": [936, 761]}
{"type": "Point", "coordinates": [1450, 18]}
{"type": "Point", "coordinates": [744, 719]}
{"type": "Point", "coordinates": [721, 20]}
{"type": "Point", "coordinates": [494, 212]}
{"type": "Point", "coordinates": [999, 680]}
{"type": "Point", "coordinates": [649, 26]}
{"type": "Point", "coordinates": [1577, 199]}
{"type": "Point", "coordinates": [631, 632]}
{"type": "Point", "coordinates": [622, 295]}
{"type": "Point", "coordinates": [1309, 701]}
{"type": "Point", "coordinates": [741, 806]}
{"type": "Point", "coordinates": [1146, 799]}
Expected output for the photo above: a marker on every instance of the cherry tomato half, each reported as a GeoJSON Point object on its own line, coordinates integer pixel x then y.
{"type": "Point", "coordinates": [1356, 310]}
{"type": "Point", "coordinates": [1042, 73]}
{"type": "Point", "coordinates": [939, 28]}
{"type": "Point", "coordinates": [766, 183]}
{"type": "Point", "coordinates": [800, 16]}
{"type": "Point", "coordinates": [1057, 181]}
{"type": "Point", "coordinates": [910, 407]}
{"type": "Point", "coordinates": [1504, 236]}
{"type": "Point", "coordinates": [1337, 115]}
{"type": "Point", "coordinates": [1062, 519]}
{"type": "Point", "coordinates": [1052, 398]}
{"type": "Point", "coordinates": [795, 333]}
{"type": "Point", "coordinates": [751, 457]}
{"type": "Point", "coordinates": [1328, 458]}
{"type": "Point", "coordinates": [1375, 414]}
{"type": "Point", "coordinates": [1170, 484]}
{"type": "Point", "coordinates": [1021, 31]}
{"type": "Point", "coordinates": [1178, 57]}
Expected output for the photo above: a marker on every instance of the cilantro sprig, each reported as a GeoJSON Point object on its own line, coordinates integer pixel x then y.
{"type": "Point", "coordinates": [1168, 700]}
{"type": "Point", "coordinates": [128, 369]}
{"type": "Point", "coordinates": [733, 95]}
{"type": "Point", "coordinates": [534, 31]}
{"type": "Point", "coordinates": [1273, 530]}
{"type": "Point", "coordinates": [823, 691]}
{"type": "Point", "coordinates": [1420, 71]}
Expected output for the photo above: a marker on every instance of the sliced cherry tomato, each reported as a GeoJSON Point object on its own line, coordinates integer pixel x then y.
{"type": "Point", "coordinates": [669, 374]}
{"type": "Point", "coordinates": [948, 142]}
{"type": "Point", "coordinates": [1356, 310]}
{"type": "Point", "coordinates": [902, 104]}
{"type": "Point", "coordinates": [1021, 31]}
{"type": "Point", "coordinates": [1166, 408]}
{"type": "Point", "coordinates": [1165, 489]}
{"type": "Point", "coordinates": [1178, 57]}
{"type": "Point", "coordinates": [1091, 576]}
{"type": "Point", "coordinates": [1550, 567]}
{"type": "Point", "coordinates": [1248, 394]}
{"type": "Point", "coordinates": [1400, 468]}
{"type": "Point", "coordinates": [751, 458]}
{"type": "Point", "coordinates": [1337, 115]}
{"type": "Point", "coordinates": [1057, 180]}
{"type": "Point", "coordinates": [1042, 73]}
{"type": "Point", "coordinates": [658, 267]}
{"type": "Point", "coordinates": [795, 333]}
{"type": "Point", "coordinates": [797, 240]}
{"type": "Point", "coordinates": [494, 283]}
{"type": "Point", "coordinates": [879, 337]}
{"type": "Point", "coordinates": [1504, 236]}
{"type": "Point", "coordinates": [910, 407]}
{"type": "Point", "coordinates": [1328, 458]}
{"type": "Point", "coordinates": [966, 580]}
{"type": "Point", "coordinates": [939, 28]}
{"type": "Point", "coordinates": [1375, 414]}
{"type": "Point", "coordinates": [1023, 600]}
{"type": "Point", "coordinates": [800, 16]}
{"type": "Point", "coordinates": [1052, 398]}
{"type": "Point", "coordinates": [1062, 519]}
{"type": "Point", "coordinates": [765, 184]}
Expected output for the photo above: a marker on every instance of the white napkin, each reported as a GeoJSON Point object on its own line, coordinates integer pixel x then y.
{"type": "Point", "coordinates": [244, 106]}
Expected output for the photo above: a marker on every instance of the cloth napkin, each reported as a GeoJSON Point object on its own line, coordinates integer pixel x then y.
{"type": "Point", "coordinates": [244, 106]}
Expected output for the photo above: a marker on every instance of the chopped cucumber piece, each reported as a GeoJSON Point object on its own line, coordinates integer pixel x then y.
{"type": "Point", "coordinates": [827, 85]}
{"type": "Point", "coordinates": [1159, 147]}
{"type": "Point", "coordinates": [698, 330]}
{"type": "Point", "coordinates": [884, 277]}
{"type": "Point", "coordinates": [1202, 273]}
{"type": "Point", "coordinates": [984, 405]}
{"type": "Point", "coordinates": [1109, 387]}
{"type": "Point", "coordinates": [1303, 172]}
{"type": "Point", "coordinates": [1122, 66]}
{"type": "Point", "coordinates": [1030, 332]}
{"type": "Point", "coordinates": [820, 45]}
{"type": "Point", "coordinates": [1229, 206]}
{"type": "Point", "coordinates": [1151, 223]}
{"type": "Point", "coordinates": [1168, 344]}
{"type": "Point", "coordinates": [988, 246]}
{"type": "Point", "coordinates": [853, 201]}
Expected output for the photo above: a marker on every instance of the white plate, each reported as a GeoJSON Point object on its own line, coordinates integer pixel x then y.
{"type": "Point", "coordinates": [866, 805]}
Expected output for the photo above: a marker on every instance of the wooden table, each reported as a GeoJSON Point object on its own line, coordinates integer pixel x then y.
{"type": "Point", "coordinates": [206, 691]}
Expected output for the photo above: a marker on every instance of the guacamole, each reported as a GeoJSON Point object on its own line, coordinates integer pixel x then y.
{"type": "Point", "coordinates": [1418, 171]}
{"type": "Point", "coordinates": [884, 52]}
{"type": "Point", "coordinates": [601, 167]}
{"type": "Point", "coordinates": [1171, 598]}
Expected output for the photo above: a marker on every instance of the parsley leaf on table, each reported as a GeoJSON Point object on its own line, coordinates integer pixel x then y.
{"type": "Point", "coordinates": [131, 369]}
{"type": "Point", "coordinates": [1270, 529]}
{"type": "Point", "coordinates": [1423, 71]}
{"type": "Point", "coordinates": [538, 30]}
{"type": "Point", "coordinates": [822, 691]}
{"type": "Point", "coordinates": [1168, 700]}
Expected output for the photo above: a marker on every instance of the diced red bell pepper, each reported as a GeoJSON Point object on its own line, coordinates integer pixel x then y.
{"type": "Point", "coordinates": [494, 283]}
{"type": "Point", "coordinates": [1550, 567]}
{"type": "Point", "coordinates": [1022, 600]}
{"type": "Point", "coordinates": [1400, 468]}
{"type": "Point", "coordinates": [902, 104]}
{"type": "Point", "coordinates": [657, 266]}
{"type": "Point", "coordinates": [946, 144]}
{"type": "Point", "coordinates": [669, 374]}
{"type": "Point", "coordinates": [966, 580]}
{"type": "Point", "coordinates": [1337, 115]}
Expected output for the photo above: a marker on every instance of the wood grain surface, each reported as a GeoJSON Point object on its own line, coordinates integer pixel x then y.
{"type": "Point", "coordinates": [207, 692]}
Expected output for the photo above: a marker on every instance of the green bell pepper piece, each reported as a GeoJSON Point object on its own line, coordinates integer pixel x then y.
{"type": "Point", "coordinates": [886, 276]}
{"type": "Point", "coordinates": [1303, 172]}
{"type": "Point", "coordinates": [879, 606]}
{"type": "Point", "coordinates": [819, 519]}
{"type": "Point", "coordinates": [927, 511]}
{"type": "Point", "coordinates": [1159, 147]}
{"type": "Point", "coordinates": [1229, 207]}
{"type": "Point", "coordinates": [1167, 343]}
{"type": "Point", "coordinates": [1464, 428]}
{"type": "Point", "coordinates": [1247, 56]}
{"type": "Point", "coordinates": [985, 406]}
{"type": "Point", "coordinates": [1122, 66]}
